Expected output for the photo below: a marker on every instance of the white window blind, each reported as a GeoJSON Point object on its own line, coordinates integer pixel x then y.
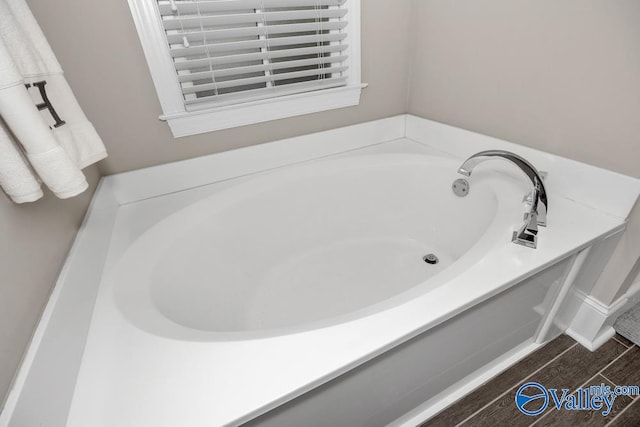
{"type": "Point", "coordinates": [233, 51]}
{"type": "Point", "coordinates": [218, 64]}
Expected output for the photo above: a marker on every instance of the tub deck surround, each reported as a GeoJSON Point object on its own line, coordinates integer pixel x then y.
{"type": "Point", "coordinates": [139, 367]}
{"type": "Point", "coordinates": [233, 376]}
{"type": "Point", "coordinates": [598, 188]}
{"type": "Point", "coordinates": [232, 380]}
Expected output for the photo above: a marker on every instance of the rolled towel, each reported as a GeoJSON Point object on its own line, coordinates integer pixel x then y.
{"type": "Point", "coordinates": [78, 136]}
{"type": "Point", "coordinates": [27, 46]}
{"type": "Point", "coordinates": [16, 178]}
{"type": "Point", "coordinates": [39, 108]}
{"type": "Point", "coordinates": [39, 143]}
{"type": "Point", "coordinates": [58, 171]}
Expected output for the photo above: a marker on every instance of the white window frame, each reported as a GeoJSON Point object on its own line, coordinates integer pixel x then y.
{"type": "Point", "coordinates": [152, 35]}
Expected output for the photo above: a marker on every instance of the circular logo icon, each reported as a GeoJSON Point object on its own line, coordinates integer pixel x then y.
{"type": "Point", "coordinates": [532, 399]}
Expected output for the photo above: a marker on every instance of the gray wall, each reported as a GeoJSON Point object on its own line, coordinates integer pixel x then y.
{"type": "Point", "coordinates": [35, 239]}
{"type": "Point", "coordinates": [560, 76]}
{"type": "Point", "coordinates": [104, 63]}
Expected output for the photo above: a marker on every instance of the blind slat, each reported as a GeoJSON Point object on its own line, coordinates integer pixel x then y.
{"type": "Point", "coordinates": [215, 48]}
{"type": "Point", "coordinates": [191, 64]}
{"type": "Point", "coordinates": [258, 68]}
{"type": "Point", "coordinates": [254, 31]}
{"type": "Point", "coordinates": [262, 79]}
{"type": "Point", "coordinates": [217, 6]}
{"type": "Point", "coordinates": [173, 22]}
{"type": "Point", "coordinates": [229, 51]}
{"type": "Point", "coordinates": [264, 93]}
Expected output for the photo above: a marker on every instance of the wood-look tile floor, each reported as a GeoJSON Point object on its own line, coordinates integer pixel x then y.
{"type": "Point", "coordinates": [562, 363]}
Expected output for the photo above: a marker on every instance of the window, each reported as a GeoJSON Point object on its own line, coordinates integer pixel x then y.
{"type": "Point", "coordinates": [218, 64]}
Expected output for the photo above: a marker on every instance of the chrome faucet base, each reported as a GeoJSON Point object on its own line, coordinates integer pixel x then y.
{"type": "Point", "coordinates": [528, 240]}
{"type": "Point", "coordinates": [527, 235]}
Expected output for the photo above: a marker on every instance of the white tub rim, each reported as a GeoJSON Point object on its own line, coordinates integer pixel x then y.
{"type": "Point", "coordinates": [497, 235]}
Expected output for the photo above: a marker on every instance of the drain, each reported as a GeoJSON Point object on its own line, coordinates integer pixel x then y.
{"type": "Point", "coordinates": [430, 259]}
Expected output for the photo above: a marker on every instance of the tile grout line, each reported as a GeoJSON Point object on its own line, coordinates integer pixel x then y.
{"type": "Point", "coordinates": [620, 413]}
{"type": "Point", "coordinates": [614, 361]}
{"type": "Point", "coordinates": [509, 388]}
{"type": "Point", "coordinates": [602, 375]}
{"type": "Point", "coordinates": [626, 345]}
{"type": "Point", "coordinates": [587, 382]}
{"type": "Point", "coordinates": [573, 391]}
{"type": "Point", "coordinates": [634, 399]}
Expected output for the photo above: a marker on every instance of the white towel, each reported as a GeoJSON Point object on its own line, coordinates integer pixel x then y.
{"type": "Point", "coordinates": [39, 108]}
{"type": "Point", "coordinates": [16, 177]}
{"type": "Point", "coordinates": [23, 118]}
{"type": "Point", "coordinates": [78, 136]}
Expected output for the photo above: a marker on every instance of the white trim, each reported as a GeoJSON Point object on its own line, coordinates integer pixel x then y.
{"type": "Point", "coordinates": [46, 376]}
{"type": "Point", "coordinates": [154, 43]}
{"type": "Point", "coordinates": [177, 176]}
{"type": "Point", "coordinates": [196, 122]}
{"type": "Point", "coordinates": [559, 300]}
{"type": "Point", "coordinates": [595, 183]}
{"type": "Point", "coordinates": [465, 386]}
{"type": "Point", "coordinates": [354, 42]}
{"type": "Point", "coordinates": [592, 324]}
{"type": "Point", "coordinates": [148, 22]}
{"type": "Point", "coordinates": [604, 335]}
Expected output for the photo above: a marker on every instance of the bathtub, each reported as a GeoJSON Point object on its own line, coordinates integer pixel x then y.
{"type": "Point", "coordinates": [310, 246]}
{"type": "Point", "coordinates": [269, 296]}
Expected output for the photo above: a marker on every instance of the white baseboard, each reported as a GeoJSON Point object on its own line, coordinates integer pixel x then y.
{"type": "Point", "coordinates": [592, 325]}
{"type": "Point", "coordinates": [604, 335]}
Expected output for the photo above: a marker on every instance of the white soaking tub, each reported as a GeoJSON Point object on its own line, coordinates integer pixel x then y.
{"type": "Point", "coordinates": [310, 246]}
{"type": "Point", "coordinates": [286, 284]}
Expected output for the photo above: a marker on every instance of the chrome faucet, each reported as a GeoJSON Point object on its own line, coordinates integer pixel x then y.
{"type": "Point", "coordinates": [536, 216]}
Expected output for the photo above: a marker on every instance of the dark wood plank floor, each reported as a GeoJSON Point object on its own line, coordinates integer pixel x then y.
{"type": "Point", "coordinates": [562, 363]}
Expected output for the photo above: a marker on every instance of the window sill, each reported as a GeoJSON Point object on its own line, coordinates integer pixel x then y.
{"type": "Point", "coordinates": [195, 122]}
